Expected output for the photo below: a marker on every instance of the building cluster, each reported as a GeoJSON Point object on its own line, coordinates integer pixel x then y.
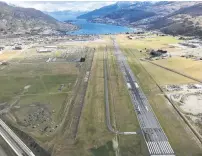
{"type": "Point", "coordinates": [158, 52]}
{"type": "Point", "coordinates": [21, 42]}
{"type": "Point", "coordinates": [46, 49]}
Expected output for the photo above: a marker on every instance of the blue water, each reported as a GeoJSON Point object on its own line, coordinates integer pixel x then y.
{"type": "Point", "coordinates": [97, 28]}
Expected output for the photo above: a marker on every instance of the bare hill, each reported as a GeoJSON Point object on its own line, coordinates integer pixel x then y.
{"type": "Point", "coordinates": [17, 20]}
{"type": "Point", "coordinates": [185, 21]}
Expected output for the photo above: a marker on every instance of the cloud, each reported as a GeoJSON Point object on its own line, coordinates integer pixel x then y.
{"type": "Point", "coordinates": [50, 6]}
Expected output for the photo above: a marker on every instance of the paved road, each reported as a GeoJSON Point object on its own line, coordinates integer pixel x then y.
{"type": "Point", "coordinates": [153, 134]}
{"type": "Point", "coordinates": [14, 141]}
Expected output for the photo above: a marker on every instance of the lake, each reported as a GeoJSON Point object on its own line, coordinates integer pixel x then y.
{"type": "Point", "coordinates": [97, 28]}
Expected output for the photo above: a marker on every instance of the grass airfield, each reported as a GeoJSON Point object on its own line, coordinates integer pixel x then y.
{"type": "Point", "coordinates": [93, 133]}
{"type": "Point", "coordinates": [33, 88]}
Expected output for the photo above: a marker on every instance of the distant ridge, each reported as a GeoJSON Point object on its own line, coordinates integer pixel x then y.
{"type": "Point", "coordinates": [17, 20]}
{"type": "Point", "coordinates": [169, 17]}
{"type": "Point", "coordinates": [65, 15]}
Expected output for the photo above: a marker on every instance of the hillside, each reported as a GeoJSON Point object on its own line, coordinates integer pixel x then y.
{"type": "Point", "coordinates": [131, 15]}
{"type": "Point", "coordinates": [126, 16]}
{"type": "Point", "coordinates": [99, 12]}
{"type": "Point", "coordinates": [17, 20]}
{"type": "Point", "coordinates": [170, 17]}
{"type": "Point", "coordinates": [102, 12]}
{"type": "Point", "coordinates": [186, 21]}
{"type": "Point", "coordinates": [126, 13]}
{"type": "Point", "coordinates": [120, 13]}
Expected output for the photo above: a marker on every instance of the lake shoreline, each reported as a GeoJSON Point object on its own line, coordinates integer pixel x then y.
{"type": "Point", "coordinates": [91, 28]}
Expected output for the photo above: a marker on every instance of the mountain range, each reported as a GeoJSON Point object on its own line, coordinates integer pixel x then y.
{"type": "Point", "coordinates": [17, 20]}
{"type": "Point", "coordinates": [169, 17]}
{"type": "Point", "coordinates": [65, 15]}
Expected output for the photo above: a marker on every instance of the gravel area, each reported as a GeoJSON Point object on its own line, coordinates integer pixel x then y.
{"type": "Point", "coordinates": [192, 104]}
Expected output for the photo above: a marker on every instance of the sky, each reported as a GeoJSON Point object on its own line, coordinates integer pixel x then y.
{"type": "Point", "coordinates": [51, 6]}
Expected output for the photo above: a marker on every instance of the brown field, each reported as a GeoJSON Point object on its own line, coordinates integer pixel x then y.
{"type": "Point", "coordinates": [187, 66]}
{"type": "Point", "coordinates": [8, 54]}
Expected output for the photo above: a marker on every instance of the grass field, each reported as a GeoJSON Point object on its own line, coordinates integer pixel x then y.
{"type": "Point", "coordinates": [92, 128]}
{"type": "Point", "coordinates": [39, 93]}
{"type": "Point", "coordinates": [44, 101]}
{"type": "Point", "coordinates": [13, 86]}
{"type": "Point", "coordinates": [44, 78]}
{"type": "Point", "coordinates": [151, 41]}
{"type": "Point", "coordinates": [123, 118]}
{"type": "Point", "coordinates": [187, 66]}
{"type": "Point", "coordinates": [7, 54]}
{"type": "Point", "coordinates": [176, 130]}
{"type": "Point", "coordinates": [53, 101]}
{"type": "Point", "coordinates": [122, 111]}
{"type": "Point", "coordinates": [37, 85]}
{"type": "Point", "coordinates": [93, 137]}
{"type": "Point", "coordinates": [53, 82]}
{"type": "Point", "coordinates": [30, 69]}
{"type": "Point", "coordinates": [170, 121]}
{"type": "Point", "coordinates": [93, 134]}
{"type": "Point", "coordinates": [119, 98]}
{"type": "Point", "coordinates": [164, 77]}
{"type": "Point", "coordinates": [42, 93]}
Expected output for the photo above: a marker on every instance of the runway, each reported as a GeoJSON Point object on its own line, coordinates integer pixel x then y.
{"type": "Point", "coordinates": [154, 136]}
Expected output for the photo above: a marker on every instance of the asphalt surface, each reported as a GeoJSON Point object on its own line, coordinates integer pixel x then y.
{"type": "Point", "coordinates": [14, 141]}
{"type": "Point", "coordinates": [154, 136]}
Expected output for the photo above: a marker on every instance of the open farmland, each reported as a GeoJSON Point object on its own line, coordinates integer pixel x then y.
{"type": "Point", "coordinates": [146, 41]}
{"type": "Point", "coordinates": [60, 101]}
{"type": "Point", "coordinates": [187, 66]}
{"type": "Point", "coordinates": [38, 96]}
{"type": "Point", "coordinates": [150, 77]}
{"type": "Point", "coordinates": [8, 54]}
{"type": "Point", "coordinates": [164, 77]}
